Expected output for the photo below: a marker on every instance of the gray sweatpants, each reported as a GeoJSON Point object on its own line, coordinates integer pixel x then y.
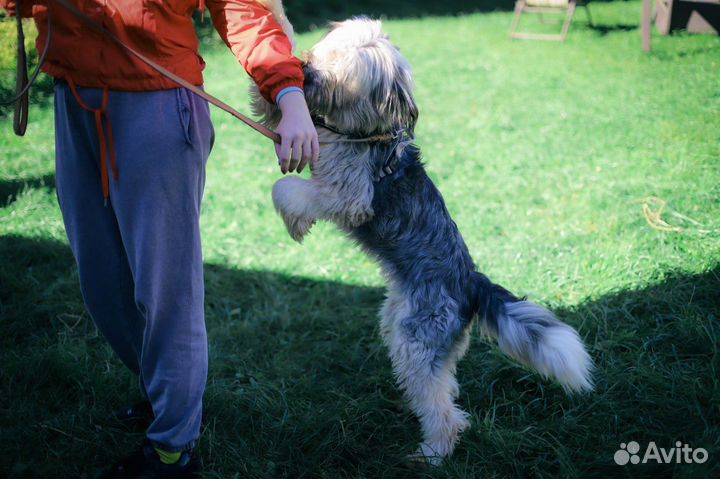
{"type": "Point", "coordinates": [139, 257]}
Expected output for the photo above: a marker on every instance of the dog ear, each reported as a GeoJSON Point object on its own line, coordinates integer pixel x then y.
{"type": "Point", "coordinates": [399, 105]}
{"type": "Point", "coordinates": [318, 88]}
{"type": "Point", "coordinates": [406, 105]}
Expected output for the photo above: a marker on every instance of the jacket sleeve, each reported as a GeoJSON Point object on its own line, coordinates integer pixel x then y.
{"type": "Point", "coordinates": [258, 42]}
{"type": "Point", "coordinates": [26, 6]}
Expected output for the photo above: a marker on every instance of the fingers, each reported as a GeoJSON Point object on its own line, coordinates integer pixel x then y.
{"type": "Point", "coordinates": [315, 148]}
{"type": "Point", "coordinates": [290, 154]}
{"type": "Point", "coordinates": [296, 155]}
{"type": "Point", "coordinates": [307, 155]}
{"type": "Point", "coordinates": [283, 153]}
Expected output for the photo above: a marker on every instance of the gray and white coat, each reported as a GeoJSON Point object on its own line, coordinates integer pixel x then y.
{"type": "Point", "coordinates": [358, 83]}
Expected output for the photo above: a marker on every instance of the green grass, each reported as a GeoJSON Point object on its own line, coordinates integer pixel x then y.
{"type": "Point", "coordinates": [543, 151]}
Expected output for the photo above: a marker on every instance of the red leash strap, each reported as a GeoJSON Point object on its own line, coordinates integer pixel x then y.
{"type": "Point", "coordinates": [170, 75]}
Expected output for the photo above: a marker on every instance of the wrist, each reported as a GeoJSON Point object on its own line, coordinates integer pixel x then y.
{"type": "Point", "coordinates": [291, 101]}
{"type": "Point", "coordinates": [285, 91]}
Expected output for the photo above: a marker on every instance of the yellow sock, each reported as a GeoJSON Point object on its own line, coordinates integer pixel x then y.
{"type": "Point", "coordinates": [168, 457]}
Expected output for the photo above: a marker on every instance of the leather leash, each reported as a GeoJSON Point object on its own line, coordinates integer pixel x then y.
{"type": "Point", "coordinates": [379, 138]}
{"type": "Point", "coordinates": [21, 100]}
{"type": "Point", "coordinates": [263, 130]}
{"type": "Point", "coordinates": [20, 117]}
{"type": "Point", "coordinates": [23, 83]}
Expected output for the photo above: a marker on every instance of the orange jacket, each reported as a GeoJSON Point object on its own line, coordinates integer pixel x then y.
{"type": "Point", "coordinates": [162, 30]}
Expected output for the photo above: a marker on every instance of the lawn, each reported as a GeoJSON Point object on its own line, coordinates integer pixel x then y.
{"type": "Point", "coordinates": [546, 154]}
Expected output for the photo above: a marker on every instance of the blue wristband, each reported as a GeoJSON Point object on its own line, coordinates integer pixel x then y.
{"type": "Point", "coordinates": [286, 90]}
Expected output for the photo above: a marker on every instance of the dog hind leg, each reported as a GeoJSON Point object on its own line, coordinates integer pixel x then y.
{"type": "Point", "coordinates": [426, 374]}
{"type": "Point", "coordinates": [431, 388]}
{"type": "Point", "coordinates": [395, 305]}
{"type": "Point", "coordinates": [458, 352]}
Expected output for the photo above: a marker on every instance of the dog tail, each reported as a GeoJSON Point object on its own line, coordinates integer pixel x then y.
{"type": "Point", "coordinates": [534, 336]}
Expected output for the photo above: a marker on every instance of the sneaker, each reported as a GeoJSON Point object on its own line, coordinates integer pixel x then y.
{"type": "Point", "coordinates": [145, 464]}
{"type": "Point", "coordinates": [137, 417]}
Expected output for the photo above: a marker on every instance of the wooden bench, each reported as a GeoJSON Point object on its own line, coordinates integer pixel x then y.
{"type": "Point", "coordinates": [560, 7]}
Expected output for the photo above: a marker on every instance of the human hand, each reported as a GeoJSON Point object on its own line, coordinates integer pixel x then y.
{"type": "Point", "coordinates": [11, 8]}
{"type": "Point", "coordinates": [299, 138]}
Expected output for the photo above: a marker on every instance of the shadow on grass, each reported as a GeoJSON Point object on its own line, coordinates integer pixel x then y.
{"type": "Point", "coordinates": [300, 385]}
{"type": "Point", "coordinates": [10, 189]}
{"type": "Point", "coordinates": [603, 30]}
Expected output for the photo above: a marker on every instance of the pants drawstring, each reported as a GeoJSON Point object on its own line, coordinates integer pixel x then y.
{"type": "Point", "coordinates": [105, 144]}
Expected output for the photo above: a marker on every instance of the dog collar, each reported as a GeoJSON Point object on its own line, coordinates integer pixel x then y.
{"type": "Point", "coordinates": [350, 138]}
{"type": "Point", "coordinates": [397, 139]}
{"type": "Point", "coordinates": [391, 162]}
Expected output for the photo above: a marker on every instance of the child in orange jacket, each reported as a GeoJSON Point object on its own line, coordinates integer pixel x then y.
{"type": "Point", "coordinates": [134, 230]}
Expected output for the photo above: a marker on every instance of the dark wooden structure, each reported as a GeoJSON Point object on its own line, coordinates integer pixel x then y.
{"type": "Point", "coordinates": [695, 16]}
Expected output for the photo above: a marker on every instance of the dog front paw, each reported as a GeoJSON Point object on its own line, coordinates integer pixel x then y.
{"type": "Point", "coordinates": [298, 227]}
{"type": "Point", "coordinates": [288, 197]}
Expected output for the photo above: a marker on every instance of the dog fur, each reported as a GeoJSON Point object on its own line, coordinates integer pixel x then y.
{"type": "Point", "coordinates": [359, 83]}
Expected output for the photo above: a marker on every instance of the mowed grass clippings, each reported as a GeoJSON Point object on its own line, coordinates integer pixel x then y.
{"type": "Point", "coordinates": [545, 153]}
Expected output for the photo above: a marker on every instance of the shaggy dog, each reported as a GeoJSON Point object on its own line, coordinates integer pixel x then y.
{"type": "Point", "coordinates": [358, 85]}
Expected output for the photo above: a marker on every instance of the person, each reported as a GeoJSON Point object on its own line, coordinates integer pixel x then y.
{"type": "Point", "coordinates": [131, 150]}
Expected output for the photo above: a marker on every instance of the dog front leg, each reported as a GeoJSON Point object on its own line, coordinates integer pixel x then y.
{"type": "Point", "coordinates": [294, 198]}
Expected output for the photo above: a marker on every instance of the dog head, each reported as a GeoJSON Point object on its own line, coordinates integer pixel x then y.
{"type": "Point", "coordinates": [357, 81]}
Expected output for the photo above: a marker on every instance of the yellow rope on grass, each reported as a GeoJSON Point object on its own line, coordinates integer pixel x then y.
{"type": "Point", "coordinates": [654, 215]}
{"type": "Point", "coordinates": [653, 209]}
